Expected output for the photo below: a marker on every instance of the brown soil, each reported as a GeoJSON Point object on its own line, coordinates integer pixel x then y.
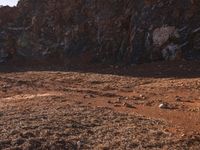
{"type": "Point", "coordinates": [101, 108]}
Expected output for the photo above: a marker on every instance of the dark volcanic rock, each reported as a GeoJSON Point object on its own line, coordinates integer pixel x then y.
{"type": "Point", "coordinates": [128, 31]}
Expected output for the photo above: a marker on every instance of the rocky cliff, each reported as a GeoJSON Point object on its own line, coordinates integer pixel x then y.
{"type": "Point", "coordinates": [106, 31]}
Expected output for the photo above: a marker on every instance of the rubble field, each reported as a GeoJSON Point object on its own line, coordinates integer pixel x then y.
{"type": "Point", "coordinates": [150, 106]}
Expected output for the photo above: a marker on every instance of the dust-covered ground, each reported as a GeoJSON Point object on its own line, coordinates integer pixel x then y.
{"type": "Point", "coordinates": [155, 106]}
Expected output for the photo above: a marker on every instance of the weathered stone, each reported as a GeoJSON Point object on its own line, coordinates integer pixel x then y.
{"type": "Point", "coordinates": [163, 34]}
{"type": "Point", "coordinates": [108, 31]}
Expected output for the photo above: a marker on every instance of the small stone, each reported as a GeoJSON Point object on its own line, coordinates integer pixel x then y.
{"type": "Point", "coordinates": [126, 98]}
{"type": "Point", "coordinates": [141, 95]}
{"type": "Point", "coordinates": [134, 98]}
{"type": "Point", "coordinates": [167, 106]}
{"type": "Point", "coordinates": [178, 98]}
{"type": "Point", "coordinates": [79, 144]}
{"type": "Point", "coordinates": [162, 106]}
{"type": "Point", "coordinates": [183, 135]}
{"type": "Point", "coordinates": [128, 105]}
{"type": "Point", "coordinates": [119, 99]}
{"type": "Point", "coordinates": [117, 105]}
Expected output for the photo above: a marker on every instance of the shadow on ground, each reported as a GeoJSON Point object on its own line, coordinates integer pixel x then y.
{"type": "Point", "coordinates": [181, 69]}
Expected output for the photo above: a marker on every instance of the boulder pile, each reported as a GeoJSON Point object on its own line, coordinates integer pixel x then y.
{"type": "Point", "coordinates": [105, 31]}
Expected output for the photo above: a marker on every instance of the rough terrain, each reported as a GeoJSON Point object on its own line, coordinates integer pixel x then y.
{"type": "Point", "coordinates": [105, 31]}
{"type": "Point", "coordinates": [109, 101]}
{"type": "Point", "coordinates": [101, 108]}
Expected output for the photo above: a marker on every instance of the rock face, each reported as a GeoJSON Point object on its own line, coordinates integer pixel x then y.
{"type": "Point", "coordinates": [109, 31]}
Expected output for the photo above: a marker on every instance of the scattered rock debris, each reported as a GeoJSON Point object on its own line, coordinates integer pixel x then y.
{"type": "Point", "coordinates": [44, 115]}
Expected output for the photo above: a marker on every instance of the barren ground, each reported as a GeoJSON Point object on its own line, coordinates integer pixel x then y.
{"type": "Point", "coordinates": [101, 108]}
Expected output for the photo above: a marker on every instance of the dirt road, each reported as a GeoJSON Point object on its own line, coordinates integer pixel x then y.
{"type": "Point", "coordinates": [148, 107]}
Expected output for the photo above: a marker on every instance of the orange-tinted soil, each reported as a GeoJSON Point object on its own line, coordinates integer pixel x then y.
{"type": "Point", "coordinates": [101, 108]}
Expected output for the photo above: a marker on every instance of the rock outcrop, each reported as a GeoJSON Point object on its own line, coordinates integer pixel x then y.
{"type": "Point", "coordinates": [108, 31]}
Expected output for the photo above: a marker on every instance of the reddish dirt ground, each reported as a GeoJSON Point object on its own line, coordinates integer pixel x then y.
{"type": "Point", "coordinates": [101, 108]}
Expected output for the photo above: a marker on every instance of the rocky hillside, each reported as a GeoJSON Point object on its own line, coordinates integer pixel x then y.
{"type": "Point", "coordinates": [106, 31]}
